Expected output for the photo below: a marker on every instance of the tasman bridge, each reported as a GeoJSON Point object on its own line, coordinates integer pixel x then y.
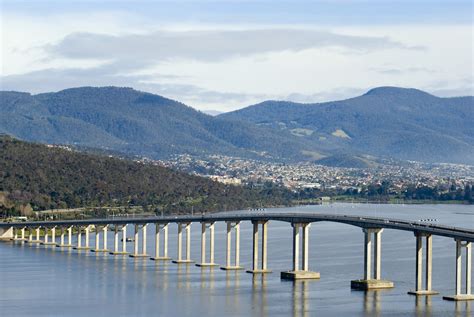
{"type": "Point", "coordinates": [46, 232]}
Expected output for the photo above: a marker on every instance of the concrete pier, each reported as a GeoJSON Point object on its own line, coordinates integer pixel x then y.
{"type": "Point", "coordinates": [104, 230]}
{"type": "Point", "coordinates": [419, 290]}
{"type": "Point", "coordinates": [236, 265]}
{"type": "Point", "coordinates": [179, 259]}
{"type": "Point", "coordinates": [372, 281]}
{"type": "Point", "coordinates": [204, 227]}
{"type": "Point", "coordinates": [79, 238]}
{"type": "Point", "coordinates": [69, 238]}
{"type": "Point", "coordinates": [158, 229]}
{"type": "Point", "coordinates": [30, 235]}
{"type": "Point", "coordinates": [467, 295]}
{"type": "Point", "coordinates": [116, 250]}
{"type": "Point", "coordinates": [38, 240]}
{"type": "Point", "coordinates": [263, 264]}
{"type": "Point", "coordinates": [300, 271]}
{"type": "Point", "coordinates": [6, 234]}
{"type": "Point", "coordinates": [136, 253]}
{"type": "Point", "coordinates": [53, 236]}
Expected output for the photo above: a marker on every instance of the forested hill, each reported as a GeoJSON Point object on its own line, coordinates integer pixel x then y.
{"type": "Point", "coordinates": [48, 177]}
{"type": "Point", "coordinates": [401, 123]}
{"type": "Point", "coordinates": [136, 123]}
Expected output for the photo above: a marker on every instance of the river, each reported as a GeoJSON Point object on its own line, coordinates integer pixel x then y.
{"type": "Point", "coordinates": [49, 281]}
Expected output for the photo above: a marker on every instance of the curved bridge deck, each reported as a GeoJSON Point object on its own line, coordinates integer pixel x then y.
{"type": "Point", "coordinates": [359, 221]}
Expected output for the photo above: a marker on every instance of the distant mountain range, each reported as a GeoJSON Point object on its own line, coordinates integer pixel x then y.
{"type": "Point", "coordinates": [138, 123]}
{"type": "Point", "coordinates": [405, 124]}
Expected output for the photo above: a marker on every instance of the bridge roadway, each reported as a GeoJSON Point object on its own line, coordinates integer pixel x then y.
{"type": "Point", "coordinates": [372, 228]}
{"type": "Point", "coordinates": [358, 221]}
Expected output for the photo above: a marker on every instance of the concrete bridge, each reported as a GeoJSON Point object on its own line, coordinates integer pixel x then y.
{"type": "Point", "coordinates": [46, 232]}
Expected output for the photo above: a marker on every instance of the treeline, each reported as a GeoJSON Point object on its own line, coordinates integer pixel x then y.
{"type": "Point", "coordinates": [385, 191]}
{"type": "Point", "coordinates": [38, 177]}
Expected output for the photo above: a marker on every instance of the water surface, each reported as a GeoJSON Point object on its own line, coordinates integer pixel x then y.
{"type": "Point", "coordinates": [49, 281]}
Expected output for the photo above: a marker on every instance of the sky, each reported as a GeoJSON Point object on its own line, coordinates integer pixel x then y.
{"type": "Point", "coordinates": [224, 55]}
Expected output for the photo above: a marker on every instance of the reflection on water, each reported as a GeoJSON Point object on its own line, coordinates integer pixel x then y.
{"type": "Point", "coordinates": [301, 304]}
{"type": "Point", "coordinates": [373, 302]}
{"type": "Point", "coordinates": [259, 293]}
{"type": "Point", "coordinates": [463, 309]}
{"type": "Point", "coordinates": [423, 306]}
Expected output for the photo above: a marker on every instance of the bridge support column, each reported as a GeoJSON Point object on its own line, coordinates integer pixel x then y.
{"type": "Point", "coordinates": [30, 235]}
{"type": "Point", "coordinates": [104, 230]}
{"type": "Point", "coordinates": [79, 238]}
{"type": "Point", "coordinates": [53, 236]}
{"type": "Point", "coordinates": [419, 290]}
{"type": "Point", "coordinates": [300, 271]}
{"type": "Point", "coordinates": [263, 264]}
{"type": "Point", "coordinates": [6, 234]}
{"type": "Point", "coordinates": [61, 239]}
{"type": "Point", "coordinates": [369, 282]}
{"type": "Point", "coordinates": [180, 260]}
{"type": "Point", "coordinates": [23, 234]}
{"type": "Point", "coordinates": [69, 237]}
{"type": "Point", "coordinates": [46, 236]}
{"type": "Point", "coordinates": [158, 228]}
{"type": "Point", "coordinates": [38, 240]}
{"type": "Point", "coordinates": [135, 248]}
{"type": "Point", "coordinates": [467, 295]}
{"type": "Point", "coordinates": [116, 251]}
{"type": "Point", "coordinates": [236, 266]}
{"type": "Point", "coordinates": [204, 226]}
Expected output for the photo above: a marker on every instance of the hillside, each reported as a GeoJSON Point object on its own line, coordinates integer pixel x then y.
{"type": "Point", "coordinates": [405, 124]}
{"type": "Point", "coordinates": [50, 178]}
{"type": "Point", "coordinates": [137, 123]}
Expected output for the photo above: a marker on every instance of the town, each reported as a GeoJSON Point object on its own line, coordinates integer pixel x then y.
{"type": "Point", "coordinates": [309, 176]}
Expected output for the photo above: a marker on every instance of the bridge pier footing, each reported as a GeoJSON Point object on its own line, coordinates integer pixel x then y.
{"type": "Point", "coordinates": [180, 259]}
{"type": "Point", "coordinates": [116, 250]}
{"type": "Point", "coordinates": [263, 264]}
{"type": "Point", "coordinates": [135, 248]}
{"type": "Point", "coordinates": [467, 295]}
{"type": "Point", "coordinates": [204, 226]}
{"type": "Point", "coordinates": [228, 265]}
{"type": "Point", "coordinates": [300, 272]}
{"type": "Point", "coordinates": [372, 281]}
{"type": "Point", "coordinates": [158, 257]}
{"type": "Point", "coordinates": [419, 290]}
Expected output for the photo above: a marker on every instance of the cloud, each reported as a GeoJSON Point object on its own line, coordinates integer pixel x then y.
{"type": "Point", "coordinates": [209, 46]}
{"type": "Point", "coordinates": [48, 80]}
{"type": "Point", "coordinates": [401, 70]}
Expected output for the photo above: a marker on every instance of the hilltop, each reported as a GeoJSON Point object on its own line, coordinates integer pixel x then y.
{"type": "Point", "coordinates": [406, 124]}
{"type": "Point", "coordinates": [137, 123]}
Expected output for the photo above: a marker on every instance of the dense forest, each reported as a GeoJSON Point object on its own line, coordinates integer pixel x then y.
{"type": "Point", "coordinates": [38, 177]}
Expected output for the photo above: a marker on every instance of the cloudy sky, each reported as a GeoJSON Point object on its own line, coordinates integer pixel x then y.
{"type": "Point", "coordinates": [229, 54]}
